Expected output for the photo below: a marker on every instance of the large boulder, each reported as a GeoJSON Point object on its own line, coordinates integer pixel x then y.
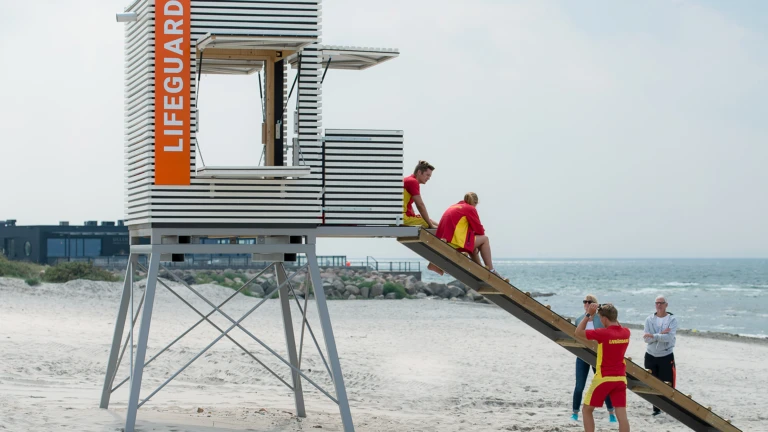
{"type": "Point", "coordinates": [454, 291]}
{"type": "Point", "coordinates": [410, 285]}
{"type": "Point", "coordinates": [256, 289]}
{"type": "Point", "coordinates": [427, 289]}
{"type": "Point", "coordinates": [268, 284]}
{"type": "Point", "coordinates": [352, 289]}
{"type": "Point", "coordinates": [338, 285]}
{"type": "Point", "coordinates": [364, 291]}
{"type": "Point", "coordinates": [419, 286]}
{"type": "Point", "coordinates": [187, 277]}
{"type": "Point", "coordinates": [438, 289]}
{"type": "Point", "coordinates": [459, 284]}
{"type": "Point", "coordinates": [421, 295]}
{"type": "Point", "coordinates": [474, 295]}
{"type": "Point", "coordinates": [377, 290]}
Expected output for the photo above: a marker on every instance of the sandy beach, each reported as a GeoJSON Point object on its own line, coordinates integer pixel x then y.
{"type": "Point", "coordinates": [409, 365]}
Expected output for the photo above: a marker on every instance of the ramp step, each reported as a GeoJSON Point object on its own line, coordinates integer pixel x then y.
{"type": "Point", "coordinates": [488, 290]}
{"type": "Point", "coordinates": [571, 343]}
{"type": "Point", "coordinates": [645, 390]}
{"type": "Point", "coordinates": [409, 239]}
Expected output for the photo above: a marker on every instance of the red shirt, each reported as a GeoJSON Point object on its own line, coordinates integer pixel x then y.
{"type": "Point", "coordinates": [411, 188]}
{"type": "Point", "coordinates": [614, 341]}
{"type": "Point", "coordinates": [459, 225]}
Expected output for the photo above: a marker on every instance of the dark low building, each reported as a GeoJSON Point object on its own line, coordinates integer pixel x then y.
{"type": "Point", "coordinates": [106, 244]}
{"type": "Point", "coordinates": [49, 244]}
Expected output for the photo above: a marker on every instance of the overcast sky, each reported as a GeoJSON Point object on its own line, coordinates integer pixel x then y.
{"type": "Point", "coordinates": [588, 129]}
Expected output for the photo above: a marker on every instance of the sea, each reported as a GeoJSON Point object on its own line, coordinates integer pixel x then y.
{"type": "Point", "coordinates": [716, 295]}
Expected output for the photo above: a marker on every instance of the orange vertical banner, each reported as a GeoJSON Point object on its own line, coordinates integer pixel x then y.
{"type": "Point", "coordinates": [173, 85]}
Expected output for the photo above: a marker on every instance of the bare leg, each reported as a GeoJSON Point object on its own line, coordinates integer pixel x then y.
{"type": "Point", "coordinates": [435, 269]}
{"type": "Point", "coordinates": [476, 256]}
{"type": "Point", "coordinates": [483, 244]}
{"type": "Point", "coordinates": [621, 416]}
{"type": "Point", "coordinates": [589, 420]}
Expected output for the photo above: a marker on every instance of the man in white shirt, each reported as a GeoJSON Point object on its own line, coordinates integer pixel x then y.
{"type": "Point", "coordinates": [659, 335]}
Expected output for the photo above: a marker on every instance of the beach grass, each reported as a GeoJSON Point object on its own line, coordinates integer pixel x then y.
{"type": "Point", "coordinates": [33, 273]}
{"type": "Point", "coordinates": [19, 269]}
{"type": "Point", "coordinates": [69, 271]}
{"type": "Point", "coordinates": [398, 289]}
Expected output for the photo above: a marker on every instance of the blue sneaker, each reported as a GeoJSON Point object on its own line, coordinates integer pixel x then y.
{"type": "Point", "coordinates": [612, 418]}
{"type": "Point", "coordinates": [575, 416]}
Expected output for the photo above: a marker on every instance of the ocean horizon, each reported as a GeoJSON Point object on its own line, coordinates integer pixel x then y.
{"type": "Point", "coordinates": [727, 295]}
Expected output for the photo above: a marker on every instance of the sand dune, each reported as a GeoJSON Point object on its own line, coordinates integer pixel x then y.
{"type": "Point", "coordinates": [409, 365]}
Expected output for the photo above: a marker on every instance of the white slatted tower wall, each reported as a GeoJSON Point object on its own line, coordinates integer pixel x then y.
{"type": "Point", "coordinates": [363, 177]}
{"type": "Point", "coordinates": [139, 110]}
{"type": "Point", "coordinates": [310, 121]}
{"type": "Point", "coordinates": [210, 200]}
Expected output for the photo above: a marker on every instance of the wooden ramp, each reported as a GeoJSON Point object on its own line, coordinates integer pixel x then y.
{"type": "Point", "coordinates": [561, 331]}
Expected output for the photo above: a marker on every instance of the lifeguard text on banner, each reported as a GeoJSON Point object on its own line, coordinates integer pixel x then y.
{"type": "Point", "coordinates": [172, 92]}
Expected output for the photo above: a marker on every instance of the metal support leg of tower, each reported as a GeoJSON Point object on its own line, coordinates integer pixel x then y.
{"type": "Point", "coordinates": [330, 341]}
{"type": "Point", "coordinates": [154, 251]}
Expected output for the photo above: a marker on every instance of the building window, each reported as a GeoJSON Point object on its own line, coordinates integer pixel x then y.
{"type": "Point", "coordinates": [92, 247]}
{"type": "Point", "coordinates": [57, 248]}
{"type": "Point", "coordinates": [214, 241]}
{"type": "Point", "coordinates": [75, 247]}
{"type": "Point", "coordinates": [27, 248]}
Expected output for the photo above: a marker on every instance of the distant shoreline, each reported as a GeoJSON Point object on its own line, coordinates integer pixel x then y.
{"type": "Point", "coordinates": [712, 335]}
{"type": "Point", "coordinates": [723, 336]}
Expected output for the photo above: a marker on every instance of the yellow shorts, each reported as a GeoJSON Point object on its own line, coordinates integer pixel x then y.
{"type": "Point", "coordinates": [415, 221]}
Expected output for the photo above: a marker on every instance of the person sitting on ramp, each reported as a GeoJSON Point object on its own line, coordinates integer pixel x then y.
{"type": "Point", "coordinates": [412, 195]}
{"type": "Point", "coordinates": [460, 227]}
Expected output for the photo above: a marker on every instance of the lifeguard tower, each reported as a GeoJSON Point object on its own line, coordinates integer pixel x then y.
{"type": "Point", "coordinates": [314, 182]}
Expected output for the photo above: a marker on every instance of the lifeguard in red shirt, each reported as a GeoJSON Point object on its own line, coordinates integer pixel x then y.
{"type": "Point", "coordinates": [610, 371]}
{"type": "Point", "coordinates": [461, 228]}
{"type": "Point", "coordinates": [412, 195]}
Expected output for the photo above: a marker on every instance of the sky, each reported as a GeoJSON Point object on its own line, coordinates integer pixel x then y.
{"type": "Point", "coordinates": [588, 129]}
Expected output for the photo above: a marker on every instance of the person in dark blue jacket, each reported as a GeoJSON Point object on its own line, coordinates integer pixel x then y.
{"type": "Point", "coordinates": [582, 367]}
